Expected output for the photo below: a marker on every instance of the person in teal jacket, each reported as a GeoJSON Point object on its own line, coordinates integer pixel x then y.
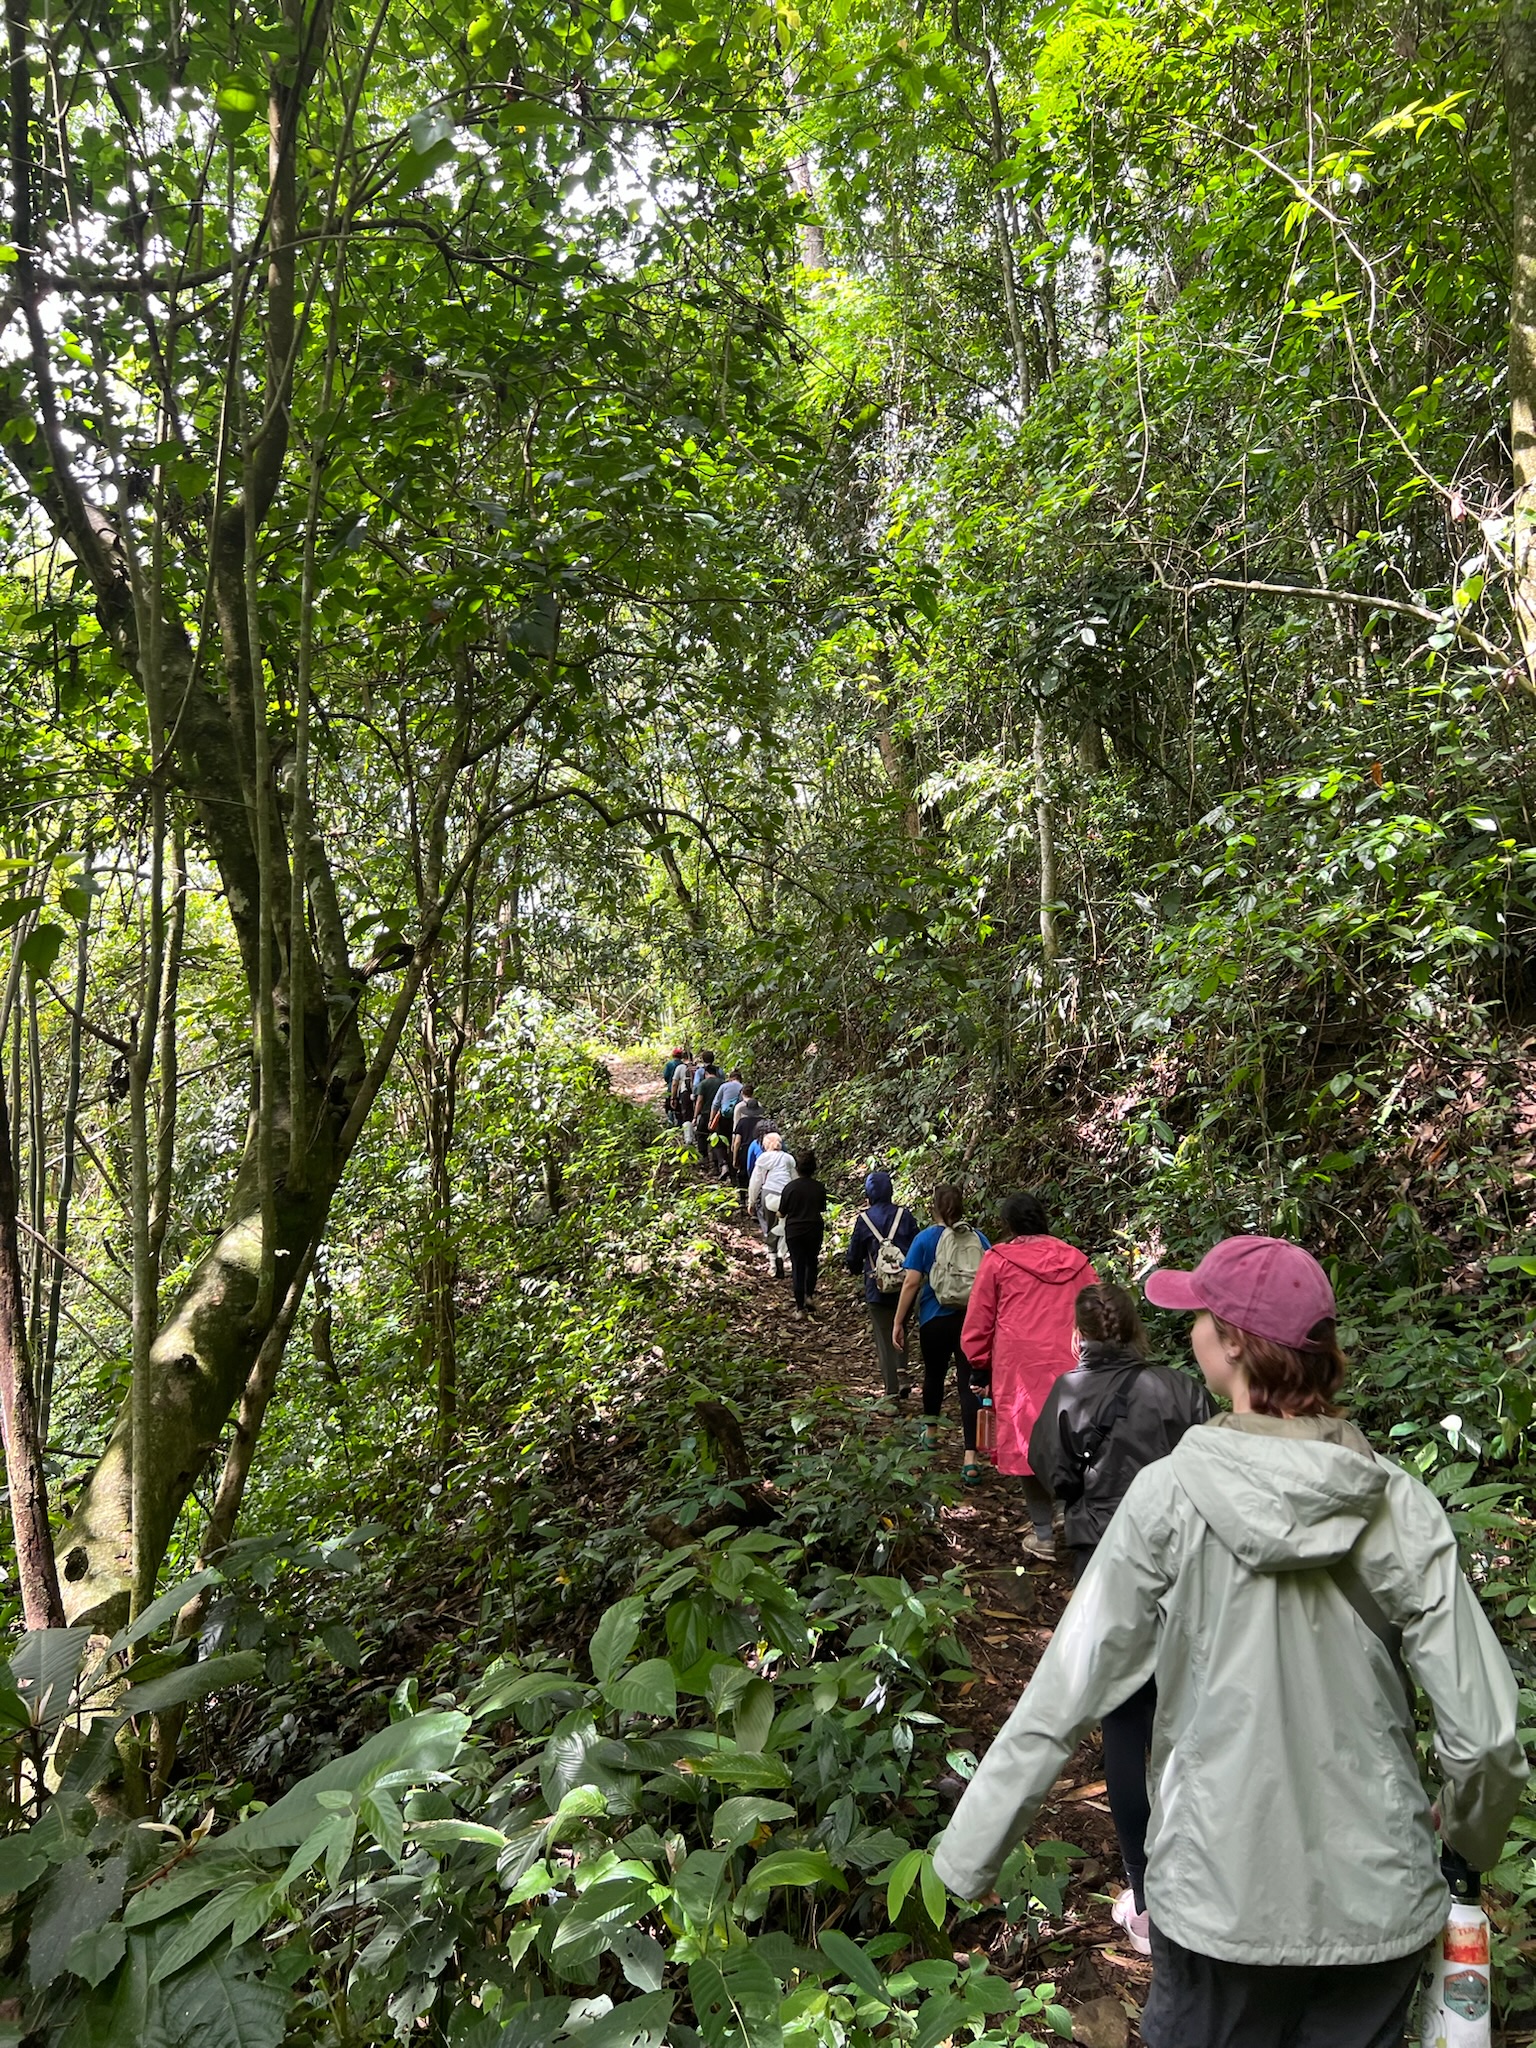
{"type": "Point", "coordinates": [1277, 1579]}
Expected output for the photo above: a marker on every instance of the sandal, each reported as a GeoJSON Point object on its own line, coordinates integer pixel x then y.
{"type": "Point", "coordinates": [971, 1475]}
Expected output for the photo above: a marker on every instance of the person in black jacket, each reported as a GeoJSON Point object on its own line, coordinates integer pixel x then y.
{"type": "Point", "coordinates": [1102, 1422]}
{"type": "Point", "coordinates": [802, 1210]}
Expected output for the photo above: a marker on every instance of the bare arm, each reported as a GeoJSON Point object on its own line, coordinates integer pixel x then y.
{"type": "Point", "coordinates": [911, 1286]}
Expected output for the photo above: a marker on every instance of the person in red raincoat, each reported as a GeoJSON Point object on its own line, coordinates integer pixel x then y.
{"type": "Point", "coordinates": [1019, 1325]}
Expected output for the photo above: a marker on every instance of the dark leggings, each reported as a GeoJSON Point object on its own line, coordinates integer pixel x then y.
{"type": "Point", "coordinates": [1127, 1745]}
{"type": "Point", "coordinates": [939, 1339]}
{"type": "Point", "coordinates": [804, 1259]}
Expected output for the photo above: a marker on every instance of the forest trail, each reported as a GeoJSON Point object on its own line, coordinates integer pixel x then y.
{"type": "Point", "coordinates": [1017, 1600]}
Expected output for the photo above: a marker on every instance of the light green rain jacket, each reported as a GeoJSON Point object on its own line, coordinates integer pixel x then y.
{"type": "Point", "coordinates": [1289, 1821]}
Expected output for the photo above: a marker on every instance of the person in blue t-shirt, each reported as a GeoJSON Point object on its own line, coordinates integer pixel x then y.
{"type": "Point", "coordinates": [939, 1326]}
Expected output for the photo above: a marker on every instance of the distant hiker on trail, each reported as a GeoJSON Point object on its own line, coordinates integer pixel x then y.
{"type": "Point", "coordinates": [674, 1061]}
{"type": "Point", "coordinates": [727, 1095]}
{"type": "Point", "coordinates": [942, 1263]}
{"type": "Point", "coordinates": [1102, 1422]}
{"type": "Point", "coordinates": [1020, 1325]}
{"type": "Point", "coordinates": [772, 1174]}
{"type": "Point", "coordinates": [802, 1216]}
{"type": "Point", "coordinates": [1276, 1578]}
{"type": "Point", "coordinates": [882, 1237]}
{"type": "Point", "coordinates": [682, 1092]}
{"type": "Point", "coordinates": [747, 1116]}
{"type": "Point", "coordinates": [766, 1128]}
{"type": "Point", "coordinates": [705, 1089]}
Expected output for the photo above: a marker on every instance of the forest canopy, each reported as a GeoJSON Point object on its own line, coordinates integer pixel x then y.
{"type": "Point", "coordinates": [982, 563]}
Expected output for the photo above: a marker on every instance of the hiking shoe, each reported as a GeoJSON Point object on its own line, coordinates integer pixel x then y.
{"type": "Point", "coordinates": [1041, 1543]}
{"type": "Point", "coordinates": [778, 1269]}
{"type": "Point", "coordinates": [1137, 1927]}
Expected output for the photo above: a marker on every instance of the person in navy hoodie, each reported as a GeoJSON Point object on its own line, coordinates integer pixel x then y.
{"type": "Point", "coordinates": [881, 1223]}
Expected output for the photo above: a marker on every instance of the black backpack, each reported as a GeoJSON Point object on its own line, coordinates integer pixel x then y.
{"type": "Point", "coordinates": [1077, 1457]}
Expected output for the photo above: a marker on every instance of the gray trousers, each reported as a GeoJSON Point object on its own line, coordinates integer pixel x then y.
{"type": "Point", "coordinates": [892, 1358]}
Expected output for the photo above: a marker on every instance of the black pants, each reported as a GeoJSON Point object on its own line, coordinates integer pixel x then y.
{"type": "Point", "coordinates": [939, 1339]}
{"type": "Point", "coordinates": [804, 1260]}
{"type": "Point", "coordinates": [1127, 1745]}
{"type": "Point", "coordinates": [1197, 2002]}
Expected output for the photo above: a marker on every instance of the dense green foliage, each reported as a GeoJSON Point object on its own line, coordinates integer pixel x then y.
{"type": "Point", "coordinates": [977, 562]}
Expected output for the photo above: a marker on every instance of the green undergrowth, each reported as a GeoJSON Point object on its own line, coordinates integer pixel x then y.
{"type": "Point", "coordinates": [567, 1736]}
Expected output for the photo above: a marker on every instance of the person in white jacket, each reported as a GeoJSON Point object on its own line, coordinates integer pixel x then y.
{"type": "Point", "coordinates": [772, 1174]}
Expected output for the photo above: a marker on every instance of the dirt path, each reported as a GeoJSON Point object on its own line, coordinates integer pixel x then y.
{"type": "Point", "coordinates": [981, 1533]}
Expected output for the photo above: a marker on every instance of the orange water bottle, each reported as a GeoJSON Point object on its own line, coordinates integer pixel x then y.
{"type": "Point", "coordinates": [986, 1423]}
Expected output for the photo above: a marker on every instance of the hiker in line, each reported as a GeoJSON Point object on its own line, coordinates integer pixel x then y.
{"type": "Point", "coordinates": [766, 1128]}
{"type": "Point", "coordinates": [1020, 1326]}
{"type": "Point", "coordinates": [682, 1096]}
{"type": "Point", "coordinates": [1102, 1422]}
{"type": "Point", "coordinates": [727, 1095]}
{"type": "Point", "coordinates": [942, 1263]}
{"type": "Point", "coordinates": [802, 1214]}
{"type": "Point", "coordinates": [772, 1174]}
{"type": "Point", "coordinates": [1275, 1577]}
{"type": "Point", "coordinates": [882, 1237]}
{"type": "Point", "coordinates": [674, 1060]}
{"type": "Point", "coordinates": [705, 1088]}
{"type": "Point", "coordinates": [747, 1116]}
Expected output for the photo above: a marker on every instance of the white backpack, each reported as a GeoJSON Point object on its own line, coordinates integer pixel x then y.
{"type": "Point", "coordinates": [890, 1259]}
{"type": "Point", "coordinates": [955, 1265]}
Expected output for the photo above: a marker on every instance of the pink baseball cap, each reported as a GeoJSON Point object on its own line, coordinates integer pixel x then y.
{"type": "Point", "coordinates": [1264, 1285]}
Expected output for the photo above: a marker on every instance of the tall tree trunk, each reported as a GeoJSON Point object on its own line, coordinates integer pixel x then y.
{"type": "Point", "coordinates": [41, 1604]}
{"type": "Point", "coordinates": [1518, 49]}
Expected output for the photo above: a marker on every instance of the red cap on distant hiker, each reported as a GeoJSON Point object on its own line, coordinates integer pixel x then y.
{"type": "Point", "coordinates": [1264, 1285]}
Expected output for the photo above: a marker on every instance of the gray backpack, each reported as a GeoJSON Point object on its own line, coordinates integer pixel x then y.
{"type": "Point", "coordinates": [890, 1267]}
{"type": "Point", "coordinates": [955, 1265]}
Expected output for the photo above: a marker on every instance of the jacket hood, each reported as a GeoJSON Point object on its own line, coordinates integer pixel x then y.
{"type": "Point", "coordinates": [877, 1186]}
{"type": "Point", "coordinates": [1279, 1503]}
{"type": "Point", "coordinates": [1046, 1258]}
{"type": "Point", "coordinates": [1094, 1356]}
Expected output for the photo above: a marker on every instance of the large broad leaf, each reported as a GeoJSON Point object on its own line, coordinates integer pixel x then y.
{"type": "Point", "coordinates": [78, 1901]}
{"type": "Point", "coordinates": [166, 1608]}
{"type": "Point", "coordinates": [795, 1866]}
{"type": "Point", "coordinates": [415, 1748]}
{"type": "Point", "coordinates": [845, 1953]}
{"type": "Point", "coordinates": [193, 1682]}
{"type": "Point", "coordinates": [126, 2013]}
{"type": "Point", "coordinates": [651, 1688]}
{"type": "Point", "coordinates": [179, 1942]}
{"type": "Point", "coordinates": [736, 1997]}
{"type": "Point", "coordinates": [730, 1767]}
{"type": "Point", "coordinates": [754, 1716]}
{"type": "Point", "coordinates": [96, 1954]}
{"type": "Point", "coordinates": [614, 1637]}
{"type": "Point", "coordinates": [636, 2023]}
{"type": "Point", "coordinates": [499, 1690]}
{"type": "Point", "coordinates": [21, 1863]}
{"type": "Point", "coordinates": [937, 2019]}
{"type": "Point", "coordinates": [44, 1670]}
{"type": "Point", "coordinates": [737, 1820]}
{"type": "Point", "coordinates": [214, 2006]}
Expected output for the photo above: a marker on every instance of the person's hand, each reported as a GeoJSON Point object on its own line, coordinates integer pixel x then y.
{"type": "Point", "coordinates": [899, 1333]}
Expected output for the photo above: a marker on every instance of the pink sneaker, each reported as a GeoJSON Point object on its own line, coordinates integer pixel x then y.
{"type": "Point", "coordinates": [1137, 1926]}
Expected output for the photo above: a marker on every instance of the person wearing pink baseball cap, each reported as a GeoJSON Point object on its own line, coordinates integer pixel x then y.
{"type": "Point", "coordinates": [1287, 1588]}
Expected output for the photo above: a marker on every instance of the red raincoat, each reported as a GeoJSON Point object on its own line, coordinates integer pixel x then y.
{"type": "Point", "coordinates": [1020, 1322]}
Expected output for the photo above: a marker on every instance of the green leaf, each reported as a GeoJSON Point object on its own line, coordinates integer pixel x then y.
{"type": "Point", "coordinates": [180, 1942]}
{"type": "Point", "coordinates": [736, 1998]}
{"type": "Point", "coordinates": [737, 1820]}
{"type": "Point", "coordinates": [216, 2006]}
{"type": "Point", "coordinates": [499, 1690]}
{"type": "Point", "coordinates": [446, 1834]}
{"type": "Point", "coordinates": [164, 1609]}
{"type": "Point", "coordinates": [416, 1748]}
{"type": "Point", "coordinates": [341, 1645]}
{"type": "Point", "coordinates": [729, 1767]}
{"type": "Point", "coordinates": [650, 1688]}
{"type": "Point", "coordinates": [754, 1716]}
{"type": "Point", "coordinates": [937, 2019]}
{"type": "Point", "coordinates": [41, 948]}
{"type": "Point", "coordinates": [195, 1682]}
{"type": "Point", "coordinates": [935, 1900]}
{"type": "Point", "coordinates": [97, 1953]}
{"type": "Point", "coordinates": [615, 1636]}
{"type": "Point", "coordinates": [79, 1899]}
{"type": "Point", "coordinates": [44, 1670]}
{"type": "Point", "coordinates": [20, 1864]}
{"type": "Point", "coordinates": [795, 1866]}
{"type": "Point", "coordinates": [237, 106]}
{"type": "Point", "coordinates": [845, 1953]}
{"type": "Point", "coordinates": [634, 2023]}
{"type": "Point", "coordinates": [899, 1881]}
